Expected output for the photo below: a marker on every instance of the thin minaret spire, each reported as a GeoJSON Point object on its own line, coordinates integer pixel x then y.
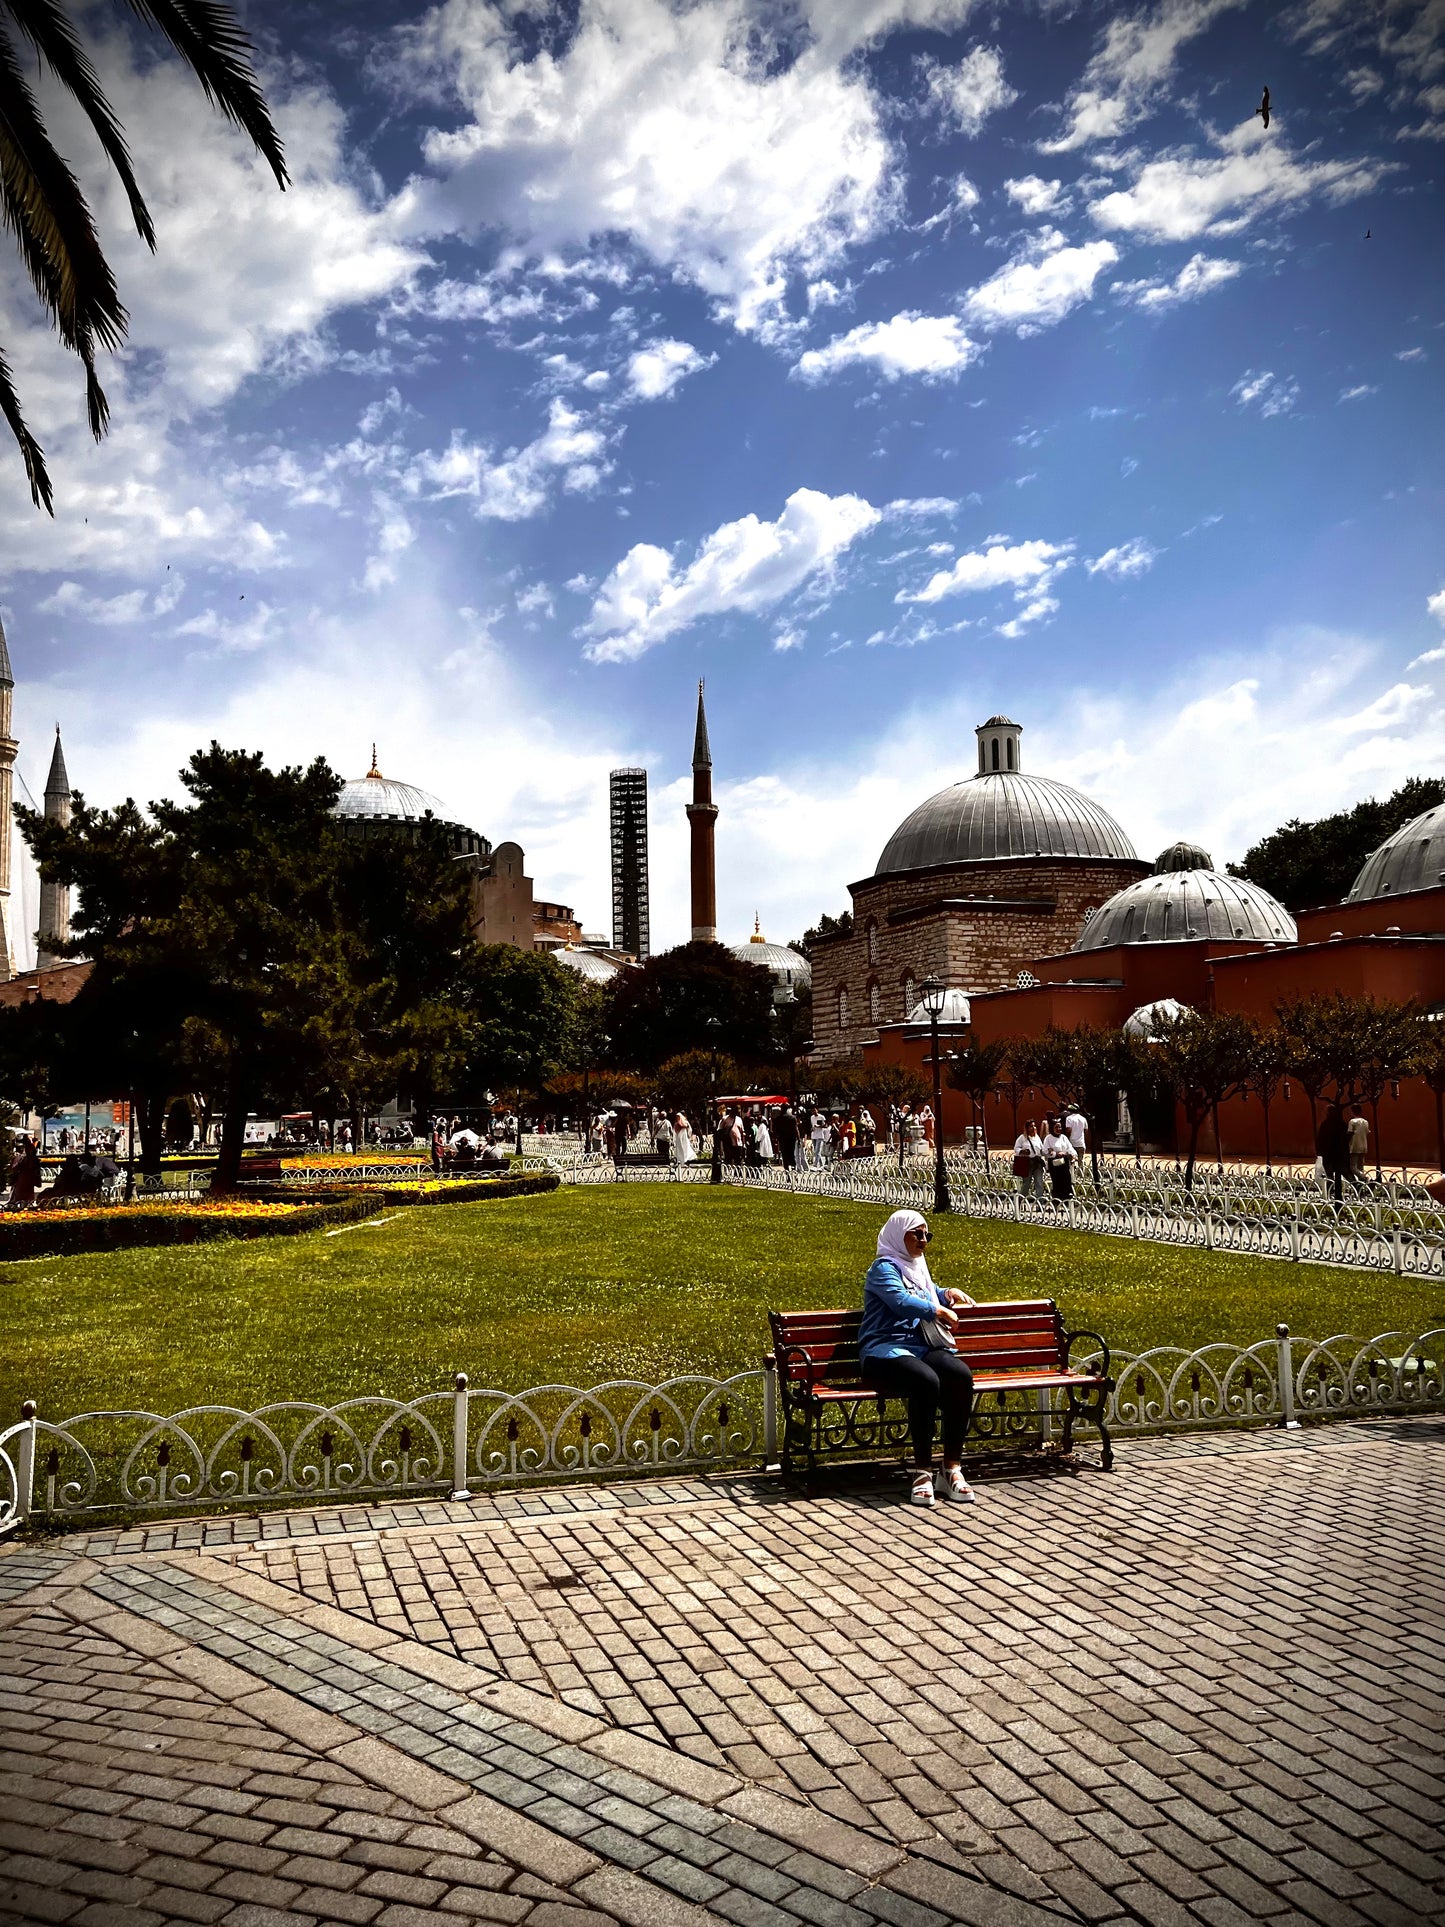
{"type": "Point", "coordinates": [702, 820]}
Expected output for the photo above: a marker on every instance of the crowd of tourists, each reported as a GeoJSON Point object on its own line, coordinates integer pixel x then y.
{"type": "Point", "coordinates": [1044, 1163]}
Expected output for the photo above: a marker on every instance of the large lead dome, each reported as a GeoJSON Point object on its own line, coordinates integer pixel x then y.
{"type": "Point", "coordinates": [1000, 812]}
{"type": "Point", "coordinates": [1412, 859]}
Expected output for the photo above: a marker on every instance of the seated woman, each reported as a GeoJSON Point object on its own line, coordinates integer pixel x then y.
{"type": "Point", "coordinates": [900, 1304]}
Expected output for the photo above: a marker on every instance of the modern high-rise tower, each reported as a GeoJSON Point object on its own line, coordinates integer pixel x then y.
{"type": "Point", "coordinates": [630, 930]}
{"type": "Point", "coordinates": [8, 747]}
{"type": "Point", "coordinates": [54, 897]}
{"type": "Point", "coordinates": [702, 818]}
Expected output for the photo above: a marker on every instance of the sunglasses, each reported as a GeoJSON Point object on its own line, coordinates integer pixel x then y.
{"type": "Point", "coordinates": [926, 1236]}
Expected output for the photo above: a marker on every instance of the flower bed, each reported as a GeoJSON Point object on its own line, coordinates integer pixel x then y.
{"type": "Point", "coordinates": [469, 1190]}
{"type": "Point", "coordinates": [68, 1231]}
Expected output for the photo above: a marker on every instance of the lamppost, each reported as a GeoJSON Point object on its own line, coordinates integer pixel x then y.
{"type": "Point", "coordinates": [932, 994]}
{"type": "Point", "coordinates": [713, 1027]}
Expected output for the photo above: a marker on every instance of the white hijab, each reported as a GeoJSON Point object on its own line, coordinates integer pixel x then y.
{"type": "Point", "coordinates": [915, 1272]}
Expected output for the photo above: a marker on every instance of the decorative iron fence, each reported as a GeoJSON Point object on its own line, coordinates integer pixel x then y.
{"type": "Point", "coordinates": [454, 1443]}
{"type": "Point", "coordinates": [1310, 1229]}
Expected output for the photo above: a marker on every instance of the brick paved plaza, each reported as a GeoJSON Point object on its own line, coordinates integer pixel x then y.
{"type": "Point", "coordinates": [1207, 1688]}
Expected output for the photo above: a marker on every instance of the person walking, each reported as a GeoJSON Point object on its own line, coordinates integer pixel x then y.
{"type": "Point", "coordinates": [1059, 1156]}
{"type": "Point", "coordinates": [1029, 1161]}
{"type": "Point", "coordinates": [684, 1151]}
{"type": "Point", "coordinates": [906, 1350]}
{"type": "Point", "coordinates": [787, 1135]}
{"type": "Point", "coordinates": [1332, 1146]}
{"type": "Point", "coordinates": [818, 1135]}
{"type": "Point", "coordinates": [1076, 1129]}
{"type": "Point", "coordinates": [1358, 1137]}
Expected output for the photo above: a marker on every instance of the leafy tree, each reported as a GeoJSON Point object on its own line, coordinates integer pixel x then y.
{"type": "Point", "coordinates": [856, 1080]}
{"type": "Point", "coordinates": [1304, 864]}
{"type": "Point", "coordinates": [668, 1005]}
{"type": "Point", "coordinates": [41, 201]}
{"type": "Point", "coordinates": [1203, 1056]}
{"type": "Point", "coordinates": [1429, 1063]}
{"type": "Point", "coordinates": [519, 1011]}
{"type": "Point", "coordinates": [690, 1081]}
{"type": "Point", "coordinates": [976, 1070]}
{"type": "Point", "coordinates": [1266, 1061]}
{"type": "Point", "coordinates": [1388, 1048]}
{"type": "Point", "coordinates": [825, 927]}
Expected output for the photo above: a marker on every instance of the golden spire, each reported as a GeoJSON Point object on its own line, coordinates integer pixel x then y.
{"type": "Point", "coordinates": [757, 936]}
{"type": "Point", "coordinates": [373, 771]}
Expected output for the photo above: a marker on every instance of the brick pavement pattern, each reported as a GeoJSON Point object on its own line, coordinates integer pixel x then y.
{"type": "Point", "coordinates": [1207, 1688]}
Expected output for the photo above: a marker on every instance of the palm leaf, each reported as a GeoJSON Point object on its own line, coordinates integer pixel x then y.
{"type": "Point", "coordinates": [31, 452]}
{"type": "Point", "coordinates": [45, 25]}
{"type": "Point", "coordinates": [209, 38]}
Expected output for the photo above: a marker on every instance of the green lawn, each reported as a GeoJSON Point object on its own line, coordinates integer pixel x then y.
{"type": "Point", "coordinates": [582, 1285]}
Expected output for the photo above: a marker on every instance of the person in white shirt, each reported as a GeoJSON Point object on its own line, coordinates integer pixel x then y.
{"type": "Point", "coordinates": [1059, 1155]}
{"type": "Point", "coordinates": [818, 1134]}
{"type": "Point", "coordinates": [1076, 1129]}
{"type": "Point", "coordinates": [1029, 1161]}
{"type": "Point", "coordinates": [1358, 1130]}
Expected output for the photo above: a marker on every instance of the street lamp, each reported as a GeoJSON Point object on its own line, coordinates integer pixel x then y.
{"type": "Point", "coordinates": [713, 1027]}
{"type": "Point", "coordinates": [932, 993]}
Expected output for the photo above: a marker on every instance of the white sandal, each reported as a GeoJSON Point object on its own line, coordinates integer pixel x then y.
{"type": "Point", "coordinates": [957, 1488]}
{"type": "Point", "coordinates": [922, 1493]}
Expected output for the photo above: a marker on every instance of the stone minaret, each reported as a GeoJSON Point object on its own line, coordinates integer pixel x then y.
{"type": "Point", "coordinates": [54, 897]}
{"type": "Point", "coordinates": [8, 747]}
{"type": "Point", "coordinates": [702, 817]}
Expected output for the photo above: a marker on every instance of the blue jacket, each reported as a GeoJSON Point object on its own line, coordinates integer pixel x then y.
{"type": "Point", "coordinates": [891, 1313]}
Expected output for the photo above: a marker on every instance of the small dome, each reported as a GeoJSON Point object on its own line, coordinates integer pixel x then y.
{"type": "Point", "coordinates": [955, 1012]}
{"type": "Point", "coordinates": [791, 970]}
{"type": "Point", "coordinates": [1183, 856]}
{"type": "Point", "coordinates": [378, 796]}
{"type": "Point", "coordinates": [1146, 1019]}
{"type": "Point", "coordinates": [1174, 906]}
{"type": "Point", "coordinates": [1000, 722]}
{"type": "Point", "coordinates": [1412, 859]}
{"type": "Point", "coordinates": [588, 964]}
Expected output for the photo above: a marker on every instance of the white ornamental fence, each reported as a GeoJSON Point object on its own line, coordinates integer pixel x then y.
{"type": "Point", "coordinates": [1310, 1229]}
{"type": "Point", "coordinates": [453, 1444]}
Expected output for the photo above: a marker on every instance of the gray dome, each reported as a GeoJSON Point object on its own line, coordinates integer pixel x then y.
{"type": "Point", "coordinates": [1146, 1020]}
{"type": "Point", "coordinates": [376, 795]}
{"type": "Point", "coordinates": [1183, 856]}
{"type": "Point", "coordinates": [1175, 905]}
{"type": "Point", "coordinates": [790, 969]}
{"type": "Point", "coordinates": [1002, 814]}
{"type": "Point", "coordinates": [956, 1012]}
{"type": "Point", "coordinates": [591, 967]}
{"type": "Point", "coordinates": [1412, 859]}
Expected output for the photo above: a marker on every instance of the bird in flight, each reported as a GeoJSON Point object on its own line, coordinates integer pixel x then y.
{"type": "Point", "coordinates": [1263, 108]}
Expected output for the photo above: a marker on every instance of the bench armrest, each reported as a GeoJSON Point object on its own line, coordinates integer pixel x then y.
{"type": "Point", "coordinates": [790, 1356]}
{"type": "Point", "coordinates": [1071, 1338]}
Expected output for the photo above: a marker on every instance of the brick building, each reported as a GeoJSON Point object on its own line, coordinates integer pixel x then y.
{"type": "Point", "coordinates": [993, 871]}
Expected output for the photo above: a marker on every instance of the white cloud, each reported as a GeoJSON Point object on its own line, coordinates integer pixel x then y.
{"type": "Point", "coordinates": [1274, 394]}
{"type": "Point", "coordinates": [654, 371]}
{"type": "Point", "coordinates": [1359, 391]}
{"type": "Point", "coordinates": [1128, 75]}
{"type": "Point", "coordinates": [1180, 197]}
{"type": "Point", "coordinates": [1131, 558]}
{"type": "Point", "coordinates": [237, 635]}
{"type": "Point", "coordinates": [744, 566]}
{"type": "Point", "coordinates": [965, 94]}
{"type": "Point", "coordinates": [651, 124]}
{"type": "Point", "coordinates": [786, 639]}
{"type": "Point", "coordinates": [1026, 567]}
{"type": "Point", "coordinates": [1035, 196]}
{"type": "Point", "coordinates": [130, 606]}
{"type": "Point", "coordinates": [910, 344]}
{"type": "Point", "coordinates": [1200, 274]}
{"type": "Point", "coordinates": [1041, 285]}
{"type": "Point", "coordinates": [394, 536]}
{"type": "Point", "coordinates": [1411, 354]}
{"type": "Point", "coordinates": [520, 485]}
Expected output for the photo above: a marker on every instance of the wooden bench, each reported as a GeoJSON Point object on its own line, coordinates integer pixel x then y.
{"type": "Point", "coordinates": [1016, 1345]}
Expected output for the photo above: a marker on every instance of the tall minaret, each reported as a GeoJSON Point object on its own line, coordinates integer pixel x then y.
{"type": "Point", "coordinates": [54, 897]}
{"type": "Point", "coordinates": [8, 747]}
{"type": "Point", "coordinates": [702, 816]}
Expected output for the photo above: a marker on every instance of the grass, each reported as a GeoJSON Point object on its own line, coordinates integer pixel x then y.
{"type": "Point", "coordinates": [581, 1285]}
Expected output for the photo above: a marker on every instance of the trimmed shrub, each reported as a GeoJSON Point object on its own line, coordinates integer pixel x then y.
{"type": "Point", "coordinates": [120, 1227]}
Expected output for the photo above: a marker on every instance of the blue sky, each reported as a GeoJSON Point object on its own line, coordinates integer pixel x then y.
{"type": "Point", "coordinates": [887, 362]}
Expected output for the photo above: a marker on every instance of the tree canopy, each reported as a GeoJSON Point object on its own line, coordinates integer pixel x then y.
{"type": "Point", "coordinates": [1304, 864]}
{"type": "Point", "coordinates": [696, 997]}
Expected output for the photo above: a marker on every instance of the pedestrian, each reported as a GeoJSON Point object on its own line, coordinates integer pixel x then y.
{"type": "Point", "coordinates": [1076, 1128]}
{"type": "Point", "coordinates": [683, 1149]}
{"type": "Point", "coordinates": [787, 1137]}
{"type": "Point", "coordinates": [906, 1351]}
{"type": "Point", "coordinates": [25, 1175]}
{"type": "Point", "coordinates": [1029, 1161]}
{"type": "Point", "coordinates": [1358, 1131]}
{"type": "Point", "coordinates": [1059, 1156]}
{"type": "Point", "coordinates": [763, 1140]}
{"type": "Point", "coordinates": [1332, 1147]}
{"type": "Point", "coordinates": [818, 1136]}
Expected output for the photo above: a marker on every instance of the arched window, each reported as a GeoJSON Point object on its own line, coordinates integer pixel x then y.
{"type": "Point", "coordinates": [872, 940]}
{"type": "Point", "coordinates": [875, 1003]}
{"type": "Point", "coordinates": [842, 1007]}
{"type": "Point", "coordinates": [995, 752]}
{"type": "Point", "coordinates": [910, 995]}
{"type": "Point", "coordinates": [1010, 752]}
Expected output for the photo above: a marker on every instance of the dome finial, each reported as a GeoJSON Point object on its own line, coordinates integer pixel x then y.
{"type": "Point", "coordinates": [375, 769]}
{"type": "Point", "coordinates": [757, 936]}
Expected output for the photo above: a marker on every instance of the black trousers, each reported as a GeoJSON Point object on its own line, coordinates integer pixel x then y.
{"type": "Point", "coordinates": [942, 1380]}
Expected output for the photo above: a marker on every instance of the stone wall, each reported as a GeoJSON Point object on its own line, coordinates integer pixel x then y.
{"type": "Point", "coordinates": [975, 925]}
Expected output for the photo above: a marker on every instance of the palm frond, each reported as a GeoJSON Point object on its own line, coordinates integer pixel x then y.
{"type": "Point", "coordinates": [30, 450]}
{"type": "Point", "coordinates": [210, 39]}
{"type": "Point", "coordinates": [45, 24]}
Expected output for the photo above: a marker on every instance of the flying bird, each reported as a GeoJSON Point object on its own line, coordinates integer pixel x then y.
{"type": "Point", "coordinates": [1263, 108]}
{"type": "Point", "coordinates": [1367, 234]}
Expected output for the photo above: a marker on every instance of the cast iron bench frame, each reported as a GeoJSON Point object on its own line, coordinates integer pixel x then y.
{"type": "Point", "coordinates": [1012, 1345]}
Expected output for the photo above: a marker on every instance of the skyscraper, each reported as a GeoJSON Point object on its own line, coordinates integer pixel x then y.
{"type": "Point", "coordinates": [702, 819]}
{"type": "Point", "coordinates": [629, 862]}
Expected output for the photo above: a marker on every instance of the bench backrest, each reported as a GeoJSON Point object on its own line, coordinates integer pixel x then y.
{"type": "Point", "coordinates": [1010, 1335]}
